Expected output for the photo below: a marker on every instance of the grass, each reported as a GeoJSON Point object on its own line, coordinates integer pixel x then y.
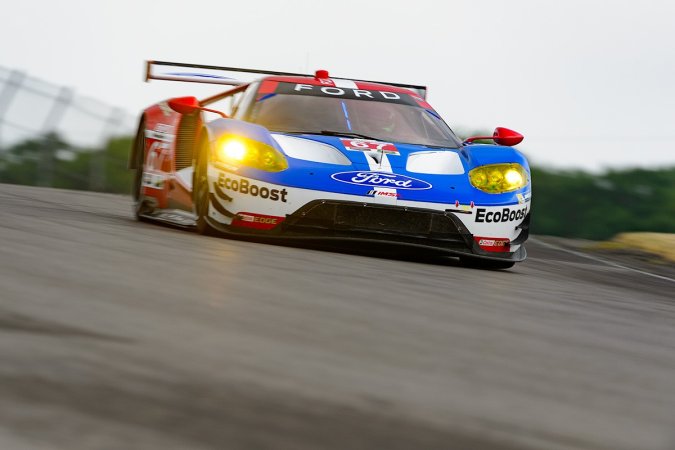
{"type": "Point", "coordinates": [661, 244]}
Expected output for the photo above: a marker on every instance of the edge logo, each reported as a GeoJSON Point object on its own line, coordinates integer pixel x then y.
{"type": "Point", "coordinates": [380, 179]}
{"type": "Point", "coordinates": [256, 221]}
{"type": "Point", "coordinates": [505, 215]}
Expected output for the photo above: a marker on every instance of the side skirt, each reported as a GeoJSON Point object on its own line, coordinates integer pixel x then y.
{"type": "Point", "coordinates": [175, 217]}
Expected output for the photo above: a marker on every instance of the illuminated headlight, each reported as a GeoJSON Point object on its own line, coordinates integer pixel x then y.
{"type": "Point", "coordinates": [233, 149]}
{"type": "Point", "coordinates": [498, 178]}
{"type": "Point", "coordinates": [239, 150]}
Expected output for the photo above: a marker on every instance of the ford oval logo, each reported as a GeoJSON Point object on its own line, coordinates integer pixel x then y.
{"type": "Point", "coordinates": [381, 179]}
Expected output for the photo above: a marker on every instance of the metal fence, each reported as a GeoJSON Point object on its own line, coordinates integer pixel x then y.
{"type": "Point", "coordinates": [31, 107]}
{"type": "Point", "coordinates": [63, 126]}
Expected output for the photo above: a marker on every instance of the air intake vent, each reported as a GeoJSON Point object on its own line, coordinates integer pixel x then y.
{"type": "Point", "coordinates": [185, 141]}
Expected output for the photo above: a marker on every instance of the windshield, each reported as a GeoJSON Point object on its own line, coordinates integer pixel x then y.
{"type": "Point", "coordinates": [385, 116]}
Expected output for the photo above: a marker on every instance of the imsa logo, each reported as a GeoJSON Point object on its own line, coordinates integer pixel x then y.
{"type": "Point", "coordinates": [505, 215]}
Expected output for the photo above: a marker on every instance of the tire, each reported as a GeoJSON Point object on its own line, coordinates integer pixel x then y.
{"type": "Point", "coordinates": [140, 206]}
{"type": "Point", "coordinates": [201, 191]}
{"type": "Point", "coordinates": [487, 264]}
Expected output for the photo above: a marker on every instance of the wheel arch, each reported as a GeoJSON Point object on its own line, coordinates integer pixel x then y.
{"type": "Point", "coordinates": [132, 163]}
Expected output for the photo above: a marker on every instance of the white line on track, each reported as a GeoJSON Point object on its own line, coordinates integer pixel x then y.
{"type": "Point", "coordinates": [593, 258]}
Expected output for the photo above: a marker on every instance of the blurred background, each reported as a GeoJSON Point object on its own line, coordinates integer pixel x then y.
{"type": "Point", "coordinates": [588, 84]}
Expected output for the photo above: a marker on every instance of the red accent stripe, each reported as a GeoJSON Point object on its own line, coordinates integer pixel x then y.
{"type": "Point", "coordinates": [267, 87]}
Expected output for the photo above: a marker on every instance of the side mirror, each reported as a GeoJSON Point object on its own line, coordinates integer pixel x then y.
{"type": "Point", "coordinates": [504, 136]}
{"type": "Point", "coordinates": [184, 105]}
{"type": "Point", "coordinates": [501, 136]}
{"type": "Point", "coordinates": [190, 105]}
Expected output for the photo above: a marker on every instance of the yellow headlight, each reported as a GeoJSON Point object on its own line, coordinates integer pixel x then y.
{"type": "Point", "coordinates": [240, 150]}
{"type": "Point", "coordinates": [513, 177]}
{"type": "Point", "coordinates": [232, 149]}
{"type": "Point", "coordinates": [498, 178]}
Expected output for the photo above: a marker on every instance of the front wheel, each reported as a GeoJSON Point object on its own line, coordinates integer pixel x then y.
{"type": "Point", "coordinates": [200, 190]}
{"type": "Point", "coordinates": [488, 264]}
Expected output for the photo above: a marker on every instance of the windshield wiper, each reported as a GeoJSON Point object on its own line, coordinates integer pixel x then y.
{"type": "Point", "coordinates": [347, 134]}
{"type": "Point", "coordinates": [328, 133]}
{"type": "Point", "coordinates": [437, 146]}
{"type": "Point", "coordinates": [361, 136]}
{"type": "Point", "coordinates": [288, 131]}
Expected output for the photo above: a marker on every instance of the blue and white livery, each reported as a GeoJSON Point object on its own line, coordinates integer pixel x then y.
{"type": "Point", "coordinates": [315, 157]}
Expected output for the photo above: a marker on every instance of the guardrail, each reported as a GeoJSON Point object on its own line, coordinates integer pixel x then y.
{"type": "Point", "coordinates": [45, 126]}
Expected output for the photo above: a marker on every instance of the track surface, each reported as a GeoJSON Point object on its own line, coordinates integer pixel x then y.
{"type": "Point", "coordinates": [117, 334]}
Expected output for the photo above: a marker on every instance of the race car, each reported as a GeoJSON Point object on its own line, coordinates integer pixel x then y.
{"type": "Point", "coordinates": [302, 156]}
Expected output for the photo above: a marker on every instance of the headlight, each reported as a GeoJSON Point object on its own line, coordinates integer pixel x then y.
{"type": "Point", "coordinates": [498, 178]}
{"type": "Point", "coordinates": [239, 150]}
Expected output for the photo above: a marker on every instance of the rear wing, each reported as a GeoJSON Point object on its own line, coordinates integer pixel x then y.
{"type": "Point", "coordinates": [233, 76]}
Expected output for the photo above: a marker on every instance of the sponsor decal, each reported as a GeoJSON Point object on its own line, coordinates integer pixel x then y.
{"type": "Point", "coordinates": [376, 193]}
{"type": "Point", "coordinates": [159, 156]}
{"type": "Point", "coordinates": [244, 186]}
{"type": "Point", "coordinates": [521, 198]}
{"type": "Point", "coordinates": [341, 92]}
{"type": "Point", "coordinates": [505, 215]}
{"type": "Point", "coordinates": [256, 221]}
{"type": "Point", "coordinates": [164, 128]}
{"type": "Point", "coordinates": [345, 93]}
{"type": "Point", "coordinates": [162, 132]}
{"type": "Point", "coordinates": [468, 207]}
{"type": "Point", "coordinates": [493, 244]}
{"type": "Point", "coordinates": [381, 179]}
{"type": "Point", "coordinates": [365, 145]}
{"type": "Point", "coordinates": [153, 180]}
{"type": "Point", "coordinates": [462, 209]}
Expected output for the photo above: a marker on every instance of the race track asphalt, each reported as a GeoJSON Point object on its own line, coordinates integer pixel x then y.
{"type": "Point", "coordinates": [116, 334]}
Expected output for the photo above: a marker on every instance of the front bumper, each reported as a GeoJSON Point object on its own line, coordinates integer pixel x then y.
{"type": "Point", "coordinates": [418, 227]}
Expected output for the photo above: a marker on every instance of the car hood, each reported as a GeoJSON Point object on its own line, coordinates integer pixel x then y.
{"type": "Point", "coordinates": [418, 172]}
{"type": "Point", "coordinates": [377, 154]}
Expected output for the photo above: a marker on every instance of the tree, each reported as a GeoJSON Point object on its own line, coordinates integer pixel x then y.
{"type": "Point", "coordinates": [50, 161]}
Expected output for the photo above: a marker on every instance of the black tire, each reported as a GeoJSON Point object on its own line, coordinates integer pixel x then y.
{"type": "Point", "coordinates": [487, 264]}
{"type": "Point", "coordinates": [201, 191]}
{"type": "Point", "coordinates": [140, 206]}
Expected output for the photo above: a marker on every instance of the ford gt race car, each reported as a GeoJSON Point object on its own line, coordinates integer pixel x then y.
{"type": "Point", "coordinates": [316, 157]}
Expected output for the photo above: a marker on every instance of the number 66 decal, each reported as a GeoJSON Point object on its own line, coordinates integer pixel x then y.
{"type": "Point", "coordinates": [365, 145]}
